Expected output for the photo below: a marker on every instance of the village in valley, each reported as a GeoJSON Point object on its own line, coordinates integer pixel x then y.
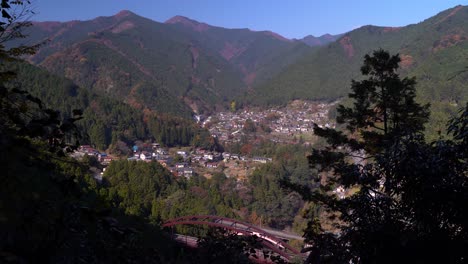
{"type": "Point", "coordinates": [282, 125]}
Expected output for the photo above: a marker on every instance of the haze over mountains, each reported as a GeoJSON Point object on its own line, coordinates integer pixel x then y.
{"type": "Point", "coordinates": [184, 65]}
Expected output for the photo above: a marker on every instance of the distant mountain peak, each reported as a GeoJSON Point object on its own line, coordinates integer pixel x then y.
{"type": "Point", "coordinates": [320, 41]}
{"type": "Point", "coordinates": [195, 25]}
{"type": "Point", "coordinates": [179, 19]}
{"type": "Point", "coordinates": [124, 13]}
{"type": "Point", "coordinates": [326, 35]}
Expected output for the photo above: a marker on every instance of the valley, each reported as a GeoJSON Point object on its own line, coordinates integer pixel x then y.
{"type": "Point", "coordinates": [184, 67]}
{"type": "Point", "coordinates": [122, 135]}
{"type": "Point", "coordinates": [241, 133]}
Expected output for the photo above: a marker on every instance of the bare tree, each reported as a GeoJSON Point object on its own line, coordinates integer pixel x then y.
{"type": "Point", "coordinates": [15, 17]}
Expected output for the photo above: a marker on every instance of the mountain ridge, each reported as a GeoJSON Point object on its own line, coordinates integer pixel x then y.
{"type": "Point", "coordinates": [197, 26]}
{"type": "Point", "coordinates": [433, 51]}
{"type": "Point", "coordinates": [321, 40]}
{"type": "Point", "coordinates": [193, 63]}
{"type": "Point", "coordinates": [202, 26]}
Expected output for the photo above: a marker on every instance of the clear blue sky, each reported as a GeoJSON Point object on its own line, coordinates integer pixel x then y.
{"type": "Point", "coordinates": [290, 18]}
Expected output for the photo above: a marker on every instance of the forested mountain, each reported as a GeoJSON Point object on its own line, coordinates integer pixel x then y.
{"type": "Point", "coordinates": [107, 120]}
{"type": "Point", "coordinates": [135, 59]}
{"type": "Point", "coordinates": [258, 55]}
{"type": "Point", "coordinates": [183, 65]}
{"type": "Point", "coordinates": [161, 66]}
{"type": "Point", "coordinates": [168, 66]}
{"type": "Point", "coordinates": [136, 79]}
{"type": "Point", "coordinates": [320, 41]}
{"type": "Point", "coordinates": [434, 51]}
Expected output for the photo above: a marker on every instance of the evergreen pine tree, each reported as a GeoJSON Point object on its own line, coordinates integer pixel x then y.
{"type": "Point", "coordinates": [408, 204]}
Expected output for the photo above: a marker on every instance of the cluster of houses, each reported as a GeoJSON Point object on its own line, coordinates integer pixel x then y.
{"type": "Point", "coordinates": [289, 120]}
{"type": "Point", "coordinates": [228, 127]}
{"type": "Point", "coordinates": [298, 117]}
{"type": "Point", "coordinates": [102, 157]}
{"type": "Point", "coordinates": [180, 163]}
{"type": "Point", "coordinates": [150, 153]}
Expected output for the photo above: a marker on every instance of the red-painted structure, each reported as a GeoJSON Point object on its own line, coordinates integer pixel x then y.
{"type": "Point", "coordinates": [270, 241]}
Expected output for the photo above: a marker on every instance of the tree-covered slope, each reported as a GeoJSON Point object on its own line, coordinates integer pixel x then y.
{"type": "Point", "coordinates": [182, 63]}
{"type": "Point", "coordinates": [433, 51]}
{"type": "Point", "coordinates": [107, 121]}
{"type": "Point", "coordinates": [258, 55]}
{"type": "Point", "coordinates": [139, 61]}
{"type": "Point", "coordinates": [166, 67]}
